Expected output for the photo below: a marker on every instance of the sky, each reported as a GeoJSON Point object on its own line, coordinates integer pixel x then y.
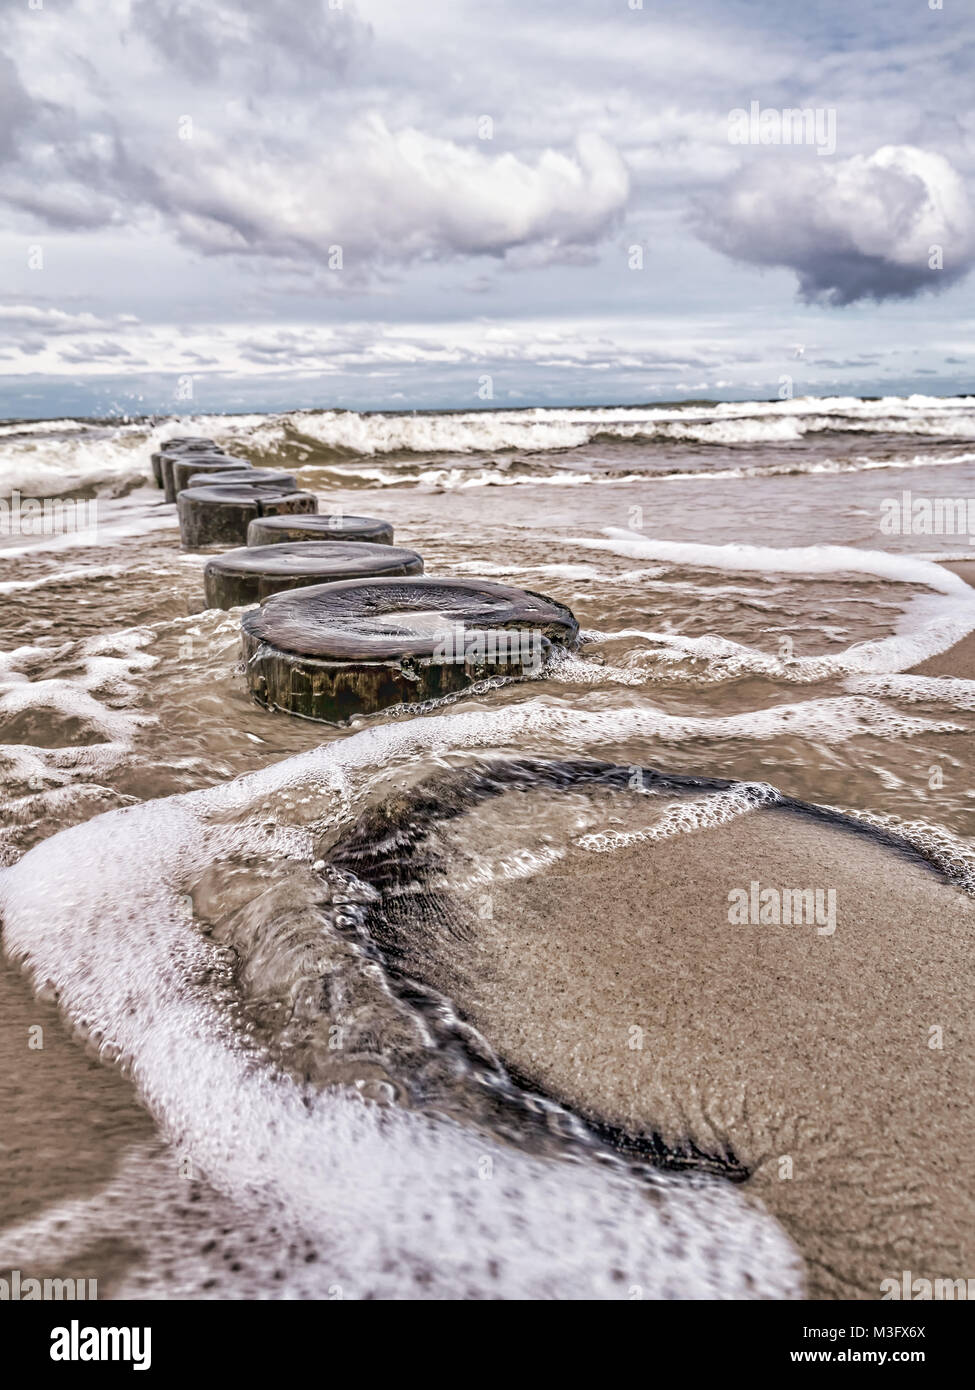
{"type": "Point", "coordinates": [251, 205]}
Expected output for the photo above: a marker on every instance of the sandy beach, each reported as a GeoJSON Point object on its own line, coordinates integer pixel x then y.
{"type": "Point", "coordinates": [593, 956]}
{"type": "Point", "coordinates": [614, 981]}
{"type": "Point", "coordinates": [69, 1121]}
{"type": "Point", "coordinates": [959, 660]}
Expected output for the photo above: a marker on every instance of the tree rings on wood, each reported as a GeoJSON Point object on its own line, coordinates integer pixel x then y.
{"type": "Point", "coordinates": [191, 466]}
{"type": "Point", "coordinates": [336, 650]}
{"type": "Point", "coordinates": [253, 573]}
{"type": "Point", "coordinates": [244, 473]}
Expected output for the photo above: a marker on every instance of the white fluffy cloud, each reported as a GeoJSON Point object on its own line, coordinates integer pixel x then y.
{"type": "Point", "coordinates": [868, 227]}
{"type": "Point", "coordinates": [15, 318]}
{"type": "Point", "coordinates": [64, 341]}
{"type": "Point", "coordinates": [394, 196]}
{"type": "Point", "coordinates": [243, 128]}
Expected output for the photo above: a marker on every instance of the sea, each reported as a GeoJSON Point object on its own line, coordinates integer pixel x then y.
{"type": "Point", "coordinates": [240, 1088]}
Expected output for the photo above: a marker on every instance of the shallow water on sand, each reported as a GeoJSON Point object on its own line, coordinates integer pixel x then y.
{"type": "Point", "coordinates": [463, 1134]}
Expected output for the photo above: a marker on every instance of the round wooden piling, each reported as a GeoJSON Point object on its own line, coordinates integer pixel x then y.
{"type": "Point", "coordinates": [336, 650]}
{"type": "Point", "coordinates": [188, 467]}
{"type": "Point", "coordinates": [252, 477]}
{"type": "Point", "coordinates": [273, 530]}
{"type": "Point", "coordinates": [170, 457]}
{"type": "Point", "coordinates": [219, 515]}
{"type": "Point", "coordinates": [253, 573]}
{"type": "Point", "coordinates": [180, 444]}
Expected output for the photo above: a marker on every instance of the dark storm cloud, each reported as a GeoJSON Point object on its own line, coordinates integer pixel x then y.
{"type": "Point", "coordinates": [885, 226]}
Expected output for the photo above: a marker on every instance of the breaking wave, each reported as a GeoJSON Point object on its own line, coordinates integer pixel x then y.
{"type": "Point", "coordinates": [502, 448]}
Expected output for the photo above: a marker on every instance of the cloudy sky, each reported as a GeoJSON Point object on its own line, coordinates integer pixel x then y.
{"type": "Point", "coordinates": [384, 204]}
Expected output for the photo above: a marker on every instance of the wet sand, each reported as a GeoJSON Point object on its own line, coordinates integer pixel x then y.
{"type": "Point", "coordinates": [68, 1123]}
{"type": "Point", "coordinates": [92, 1192]}
{"type": "Point", "coordinates": [615, 982]}
{"type": "Point", "coordinates": [958, 660]}
{"type": "Point", "coordinates": [781, 1047]}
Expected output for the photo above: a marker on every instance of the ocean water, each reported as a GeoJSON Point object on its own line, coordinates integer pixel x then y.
{"type": "Point", "coordinates": [170, 877]}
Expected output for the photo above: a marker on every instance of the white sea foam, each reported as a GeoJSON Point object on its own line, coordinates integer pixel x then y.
{"type": "Point", "coordinates": [396, 1203]}
{"type": "Point", "coordinates": [489, 431]}
{"type": "Point", "coordinates": [951, 853]}
{"type": "Point", "coordinates": [90, 698]}
{"type": "Point", "coordinates": [930, 623]}
{"type": "Point", "coordinates": [11, 586]}
{"type": "Point", "coordinates": [58, 458]}
{"type": "Point", "coordinates": [112, 459]}
{"type": "Point", "coordinates": [41, 427]}
{"type": "Point", "coordinates": [685, 818]}
{"type": "Point", "coordinates": [541, 474]}
{"type": "Point", "coordinates": [70, 714]}
{"type": "Point", "coordinates": [41, 466]}
{"type": "Point", "coordinates": [952, 692]}
{"type": "Point", "coordinates": [760, 559]}
{"type": "Point", "coordinates": [557, 571]}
